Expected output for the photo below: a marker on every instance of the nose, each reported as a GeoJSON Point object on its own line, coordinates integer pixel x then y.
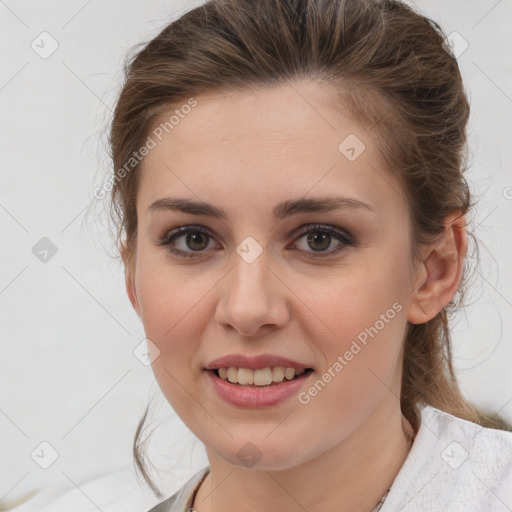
{"type": "Point", "coordinates": [254, 299]}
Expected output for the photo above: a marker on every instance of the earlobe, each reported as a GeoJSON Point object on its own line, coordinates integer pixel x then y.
{"type": "Point", "coordinates": [132, 294]}
{"type": "Point", "coordinates": [129, 279]}
{"type": "Point", "coordinates": [441, 272]}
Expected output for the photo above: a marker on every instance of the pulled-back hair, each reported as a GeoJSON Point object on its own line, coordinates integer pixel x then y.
{"type": "Point", "coordinates": [390, 70]}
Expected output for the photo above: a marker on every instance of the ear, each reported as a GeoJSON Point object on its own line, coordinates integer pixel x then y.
{"type": "Point", "coordinates": [440, 272]}
{"type": "Point", "coordinates": [129, 279]}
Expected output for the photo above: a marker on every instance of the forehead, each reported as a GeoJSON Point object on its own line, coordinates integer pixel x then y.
{"type": "Point", "coordinates": [257, 147]}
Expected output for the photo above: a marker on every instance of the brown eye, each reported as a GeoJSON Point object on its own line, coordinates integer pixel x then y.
{"type": "Point", "coordinates": [195, 240]}
{"type": "Point", "coordinates": [319, 238]}
{"type": "Point", "coordinates": [323, 240]}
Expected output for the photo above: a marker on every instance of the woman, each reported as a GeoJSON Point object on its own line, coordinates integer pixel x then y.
{"type": "Point", "coordinates": [291, 209]}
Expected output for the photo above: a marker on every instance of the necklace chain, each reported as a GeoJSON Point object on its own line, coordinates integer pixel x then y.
{"type": "Point", "coordinates": [410, 434]}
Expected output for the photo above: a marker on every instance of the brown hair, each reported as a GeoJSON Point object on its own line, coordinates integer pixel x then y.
{"type": "Point", "coordinates": [389, 67]}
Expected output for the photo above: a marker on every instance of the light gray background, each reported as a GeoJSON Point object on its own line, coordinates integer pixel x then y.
{"type": "Point", "coordinates": [69, 375]}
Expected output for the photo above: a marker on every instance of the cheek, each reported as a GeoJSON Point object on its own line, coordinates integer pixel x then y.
{"type": "Point", "coordinates": [366, 340]}
{"type": "Point", "coordinates": [170, 297]}
{"type": "Point", "coordinates": [364, 321]}
{"type": "Point", "coordinates": [172, 311]}
{"type": "Point", "coordinates": [362, 367]}
{"type": "Point", "coordinates": [355, 300]}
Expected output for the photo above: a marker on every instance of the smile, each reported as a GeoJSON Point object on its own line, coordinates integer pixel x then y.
{"type": "Point", "coordinates": [262, 377]}
{"type": "Point", "coordinates": [254, 395]}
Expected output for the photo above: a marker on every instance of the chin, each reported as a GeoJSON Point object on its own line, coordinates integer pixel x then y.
{"type": "Point", "coordinates": [261, 454]}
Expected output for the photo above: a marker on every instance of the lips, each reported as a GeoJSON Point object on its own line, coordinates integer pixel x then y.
{"type": "Point", "coordinates": [255, 362]}
{"type": "Point", "coordinates": [256, 396]}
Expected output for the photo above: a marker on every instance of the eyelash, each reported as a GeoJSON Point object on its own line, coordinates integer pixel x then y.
{"type": "Point", "coordinates": [304, 230]}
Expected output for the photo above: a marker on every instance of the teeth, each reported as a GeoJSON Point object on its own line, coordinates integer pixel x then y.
{"type": "Point", "coordinates": [233, 375]}
{"type": "Point", "coordinates": [289, 373]}
{"type": "Point", "coordinates": [246, 376]}
{"type": "Point", "coordinates": [278, 374]}
{"type": "Point", "coordinates": [261, 377]}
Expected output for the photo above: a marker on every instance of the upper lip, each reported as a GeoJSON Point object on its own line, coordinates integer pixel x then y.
{"type": "Point", "coordinates": [254, 362]}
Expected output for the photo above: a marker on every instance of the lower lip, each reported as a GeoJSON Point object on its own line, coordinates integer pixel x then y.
{"type": "Point", "coordinates": [244, 396]}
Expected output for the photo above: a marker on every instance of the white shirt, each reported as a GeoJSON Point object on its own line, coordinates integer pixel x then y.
{"type": "Point", "coordinates": [454, 465]}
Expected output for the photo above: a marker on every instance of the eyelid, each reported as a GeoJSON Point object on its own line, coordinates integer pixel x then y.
{"type": "Point", "coordinates": [169, 234]}
{"type": "Point", "coordinates": [305, 229]}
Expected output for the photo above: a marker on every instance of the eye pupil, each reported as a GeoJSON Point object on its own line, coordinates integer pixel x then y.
{"type": "Point", "coordinates": [314, 237]}
{"type": "Point", "coordinates": [193, 237]}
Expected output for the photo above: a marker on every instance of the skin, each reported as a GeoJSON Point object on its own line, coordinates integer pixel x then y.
{"type": "Point", "coordinates": [245, 152]}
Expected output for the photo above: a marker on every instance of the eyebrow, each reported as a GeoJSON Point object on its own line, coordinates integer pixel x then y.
{"type": "Point", "coordinates": [281, 210]}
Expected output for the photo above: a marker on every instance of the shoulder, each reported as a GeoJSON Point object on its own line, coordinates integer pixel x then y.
{"type": "Point", "coordinates": [454, 464]}
{"type": "Point", "coordinates": [486, 450]}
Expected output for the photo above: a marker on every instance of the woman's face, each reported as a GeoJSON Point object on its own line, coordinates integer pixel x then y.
{"type": "Point", "coordinates": [334, 301]}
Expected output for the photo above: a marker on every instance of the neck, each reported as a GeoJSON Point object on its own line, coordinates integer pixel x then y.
{"type": "Point", "coordinates": [351, 476]}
